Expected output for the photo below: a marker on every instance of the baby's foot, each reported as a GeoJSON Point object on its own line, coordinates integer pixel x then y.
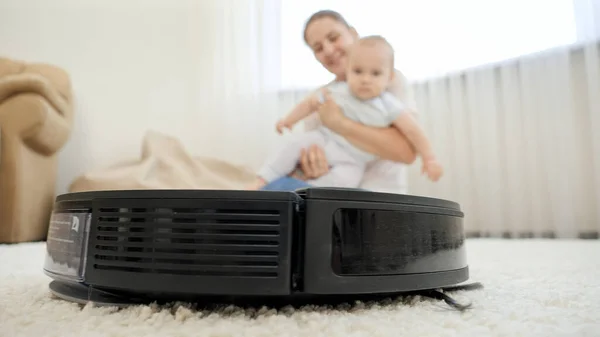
{"type": "Point", "coordinates": [256, 185]}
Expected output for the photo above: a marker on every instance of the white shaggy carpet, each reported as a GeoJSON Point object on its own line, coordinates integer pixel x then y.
{"type": "Point", "coordinates": [532, 288]}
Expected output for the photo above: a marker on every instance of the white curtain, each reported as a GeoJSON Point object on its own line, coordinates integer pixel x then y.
{"type": "Point", "coordinates": [239, 77]}
{"type": "Point", "coordinates": [520, 139]}
{"type": "Point", "coordinates": [520, 144]}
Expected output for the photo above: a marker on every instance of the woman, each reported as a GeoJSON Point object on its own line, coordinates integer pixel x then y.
{"type": "Point", "coordinates": [329, 35]}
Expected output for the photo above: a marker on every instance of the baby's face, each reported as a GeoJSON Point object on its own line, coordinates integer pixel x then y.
{"type": "Point", "coordinates": [370, 70]}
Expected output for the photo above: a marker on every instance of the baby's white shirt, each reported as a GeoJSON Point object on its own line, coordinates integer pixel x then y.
{"type": "Point", "coordinates": [380, 111]}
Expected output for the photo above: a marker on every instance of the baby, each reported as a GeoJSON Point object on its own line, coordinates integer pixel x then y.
{"type": "Point", "coordinates": [362, 98]}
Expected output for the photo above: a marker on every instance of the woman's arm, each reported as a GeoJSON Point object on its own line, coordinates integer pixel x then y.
{"type": "Point", "coordinates": [387, 143]}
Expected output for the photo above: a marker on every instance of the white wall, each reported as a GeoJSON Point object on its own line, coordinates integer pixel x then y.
{"type": "Point", "coordinates": [135, 65]}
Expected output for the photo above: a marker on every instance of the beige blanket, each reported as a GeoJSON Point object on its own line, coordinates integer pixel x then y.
{"type": "Point", "coordinates": [165, 164]}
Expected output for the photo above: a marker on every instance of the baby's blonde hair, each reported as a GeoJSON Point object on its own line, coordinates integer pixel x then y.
{"type": "Point", "coordinates": [378, 40]}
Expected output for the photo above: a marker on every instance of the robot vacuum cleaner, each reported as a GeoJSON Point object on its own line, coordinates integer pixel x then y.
{"type": "Point", "coordinates": [312, 245]}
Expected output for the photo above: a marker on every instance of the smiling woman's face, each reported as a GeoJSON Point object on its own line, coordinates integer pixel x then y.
{"type": "Point", "coordinates": [329, 40]}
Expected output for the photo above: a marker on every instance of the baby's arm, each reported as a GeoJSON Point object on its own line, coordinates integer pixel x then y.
{"type": "Point", "coordinates": [301, 111]}
{"type": "Point", "coordinates": [416, 135]}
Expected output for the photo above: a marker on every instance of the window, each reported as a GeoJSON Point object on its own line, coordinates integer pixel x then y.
{"type": "Point", "coordinates": [431, 37]}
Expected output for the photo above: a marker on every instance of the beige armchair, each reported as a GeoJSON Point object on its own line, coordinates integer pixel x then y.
{"type": "Point", "coordinates": [36, 117]}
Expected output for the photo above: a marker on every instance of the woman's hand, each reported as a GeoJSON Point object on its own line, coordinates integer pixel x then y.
{"type": "Point", "coordinates": [330, 113]}
{"type": "Point", "coordinates": [313, 163]}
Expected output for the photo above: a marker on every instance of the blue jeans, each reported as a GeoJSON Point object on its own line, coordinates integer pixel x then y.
{"type": "Point", "coordinates": [285, 184]}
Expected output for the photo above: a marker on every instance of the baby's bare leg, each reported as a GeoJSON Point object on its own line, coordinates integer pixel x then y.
{"type": "Point", "coordinates": [285, 160]}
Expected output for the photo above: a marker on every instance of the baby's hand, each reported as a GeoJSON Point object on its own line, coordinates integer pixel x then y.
{"type": "Point", "coordinates": [433, 169]}
{"type": "Point", "coordinates": [315, 101]}
{"type": "Point", "coordinates": [283, 124]}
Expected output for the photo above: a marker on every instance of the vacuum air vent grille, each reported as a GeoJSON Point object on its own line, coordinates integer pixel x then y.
{"type": "Point", "coordinates": [229, 241]}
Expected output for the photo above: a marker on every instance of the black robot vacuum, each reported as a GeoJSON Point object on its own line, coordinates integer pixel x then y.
{"type": "Point", "coordinates": [313, 244]}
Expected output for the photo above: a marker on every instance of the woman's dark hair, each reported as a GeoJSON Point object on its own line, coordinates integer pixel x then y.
{"type": "Point", "coordinates": [326, 13]}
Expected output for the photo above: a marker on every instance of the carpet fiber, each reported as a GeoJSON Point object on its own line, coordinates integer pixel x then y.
{"type": "Point", "coordinates": [532, 288]}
